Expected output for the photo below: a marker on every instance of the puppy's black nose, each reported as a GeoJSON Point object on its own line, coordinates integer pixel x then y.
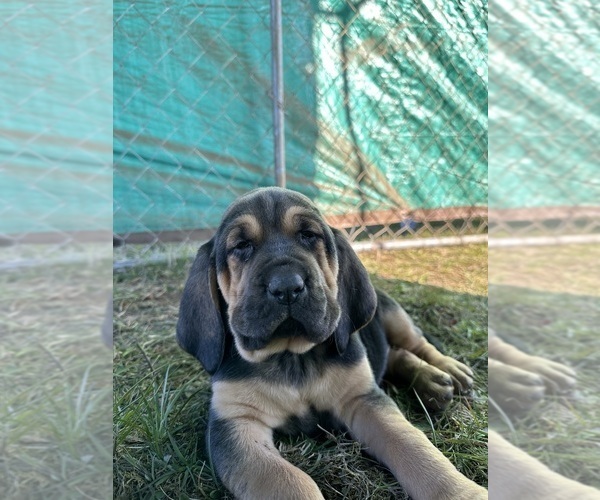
{"type": "Point", "coordinates": [286, 288]}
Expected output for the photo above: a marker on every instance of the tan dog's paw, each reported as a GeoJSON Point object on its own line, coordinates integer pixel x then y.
{"type": "Point", "coordinates": [558, 378]}
{"type": "Point", "coordinates": [436, 384]}
{"type": "Point", "coordinates": [512, 388]}
{"type": "Point", "coordinates": [461, 374]}
{"type": "Point", "coordinates": [434, 387]}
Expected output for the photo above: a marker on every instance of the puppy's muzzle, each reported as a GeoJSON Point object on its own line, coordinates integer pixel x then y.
{"type": "Point", "coordinates": [286, 288]}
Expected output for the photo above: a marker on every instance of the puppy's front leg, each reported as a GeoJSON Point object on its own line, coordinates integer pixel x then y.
{"type": "Point", "coordinates": [374, 419]}
{"type": "Point", "coordinates": [246, 460]}
{"type": "Point", "coordinates": [514, 474]}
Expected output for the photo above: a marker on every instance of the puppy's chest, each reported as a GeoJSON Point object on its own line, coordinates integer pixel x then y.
{"type": "Point", "coordinates": [291, 398]}
{"type": "Point", "coordinates": [278, 405]}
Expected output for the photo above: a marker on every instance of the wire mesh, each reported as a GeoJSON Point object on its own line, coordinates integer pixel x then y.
{"type": "Point", "coordinates": [55, 248]}
{"type": "Point", "coordinates": [55, 140]}
{"type": "Point", "coordinates": [386, 120]}
{"type": "Point", "coordinates": [544, 78]}
{"type": "Point", "coordinates": [385, 109]}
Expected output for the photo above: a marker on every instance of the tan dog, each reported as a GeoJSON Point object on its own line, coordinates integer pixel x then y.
{"type": "Point", "coordinates": [282, 314]}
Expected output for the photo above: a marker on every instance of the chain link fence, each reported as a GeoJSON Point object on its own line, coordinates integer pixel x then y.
{"type": "Point", "coordinates": [56, 136]}
{"type": "Point", "coordinates": [385, 121]}
{"type": "Point", "coordinates": [544, 121]}
{"type": "Point", "coordinates": [55, 248]}
{"type": "Point", "coordinates": [385, 107]}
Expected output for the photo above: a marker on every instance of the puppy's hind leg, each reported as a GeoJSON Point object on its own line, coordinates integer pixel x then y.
{"type": "Point", "coordinates": [557, 377]}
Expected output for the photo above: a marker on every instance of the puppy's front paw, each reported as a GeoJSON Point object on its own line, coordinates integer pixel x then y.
{"type": "Point", "coordinates": [512, 388]}
{"type": "Point", "coordinates": [461, 374]}
{"type": "Point", "coordinates": [557, 377]}
{"type": "Point", "coordinates": [434, 387]}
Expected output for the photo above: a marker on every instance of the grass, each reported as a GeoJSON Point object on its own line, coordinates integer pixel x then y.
{"type": "Point", "coordinates": [546, 301]}
{"type": "Point", "coordinates": [572, 269]}
{"type": "Point", "coordinates": [161, 394]}
{"type": "Point", "coordinates": [458, 269]}
{"type": "Point", "coordinates": [55, 378]}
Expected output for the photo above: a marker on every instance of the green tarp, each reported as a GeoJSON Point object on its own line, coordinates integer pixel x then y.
{"type": "Point", "coordinates": [55, 117]}
{"type": "Point", "coordinates": [385, 107]}
{"type": "Point", "coordinates": [545, 113]}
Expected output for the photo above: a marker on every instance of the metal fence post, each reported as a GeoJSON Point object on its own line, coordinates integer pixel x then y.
{"type": "Point", "coordinates": [277, 90]}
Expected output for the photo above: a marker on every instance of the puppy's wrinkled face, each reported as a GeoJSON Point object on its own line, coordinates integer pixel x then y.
{"type": "Point", "coordinates": [277, 271]}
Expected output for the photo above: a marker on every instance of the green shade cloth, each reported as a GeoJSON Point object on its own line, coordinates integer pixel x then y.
{"type": "Point", "coordinates": [391, 93]}
{"type": "Point", "coordinates": [55, 116]}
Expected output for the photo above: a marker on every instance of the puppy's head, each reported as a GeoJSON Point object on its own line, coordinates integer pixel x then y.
{"type": "Point", "coordinates": [277, 278]}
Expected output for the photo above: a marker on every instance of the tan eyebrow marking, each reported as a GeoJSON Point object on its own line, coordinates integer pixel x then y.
{"type": "Point", "coordinates": [248, 225]}
{"type": "Point", "coordinates": [289, 221]}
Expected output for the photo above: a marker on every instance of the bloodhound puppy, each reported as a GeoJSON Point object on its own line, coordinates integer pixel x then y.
{"type": "Point", "coordinates": [281, 313]}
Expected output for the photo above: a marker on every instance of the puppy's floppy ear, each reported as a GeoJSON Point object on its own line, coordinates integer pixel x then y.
{"type": "Point", "coordinates": [356, 295]}
{"type": "Point", "coordinates": [200, 329]}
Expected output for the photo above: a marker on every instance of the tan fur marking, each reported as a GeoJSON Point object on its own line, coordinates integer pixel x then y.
{"type": "Point", "coordinates": [329, 268]}
{"type": "Point", "coordinates": [247, 223]}
{"type": "Point", "coordinates": [298, 345]}
{"type": "Point", "coordinates": [290, 225]}
{"type": "Point", "coordinates": [224, 280]}
{"type": "Point", "coordinates": [401, 332]}
{"type": "Point", "coordinates": [231, 281]}
{"type": "Point", "coordinates": [292, 344]}
{"type": "Point", "coordinates": [289, 222]}
{"type": "Point", "coordinates": [399, 328]}
{"type": "Point", "coordinates": [341, 384]}
{"type": "Point", "coordinates": [273, 403]}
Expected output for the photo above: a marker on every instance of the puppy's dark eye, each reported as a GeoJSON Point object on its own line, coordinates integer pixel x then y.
{"type": "Point", "coordinates": [242, 245]}
{"type": "Point", "coordinates": [242, 249]}
{"type": "Point", "coordinates": [308, 236]}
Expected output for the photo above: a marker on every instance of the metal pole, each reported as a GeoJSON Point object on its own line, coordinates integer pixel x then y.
{"type": "Point", "coordinates": [277, 89]}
